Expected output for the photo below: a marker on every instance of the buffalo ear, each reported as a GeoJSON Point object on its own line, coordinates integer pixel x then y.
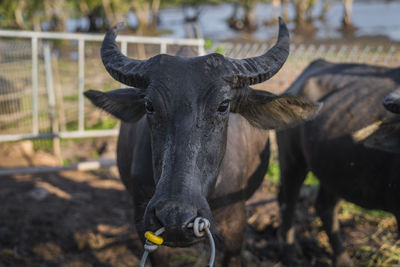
{"type": "Point", "coordinates": [125, 104]}
{"type": "Point", "coordinates": [269, 111]}
{"type": "Point", "coordinates": [381, 135]}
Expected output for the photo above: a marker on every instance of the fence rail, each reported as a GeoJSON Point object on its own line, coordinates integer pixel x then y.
{"type": "Point", "coordinates": [51, 99]}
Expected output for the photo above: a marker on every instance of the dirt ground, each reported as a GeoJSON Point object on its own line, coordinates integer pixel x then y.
{"type": "Point", "coordinates": [74, 218]}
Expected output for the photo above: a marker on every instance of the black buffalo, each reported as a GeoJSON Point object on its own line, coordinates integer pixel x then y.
{"type": "Point", "coordinates": [193, 137]}
{"type": "Point", "coordinates": [339, 146]}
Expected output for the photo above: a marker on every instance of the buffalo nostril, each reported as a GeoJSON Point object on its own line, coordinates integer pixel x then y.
{"type": "Point", "coordinates": [173, 219]}
{"type": "Point", "coordinates": [151, 220]}
{"type": "Point", "coordinates": [175, 216]}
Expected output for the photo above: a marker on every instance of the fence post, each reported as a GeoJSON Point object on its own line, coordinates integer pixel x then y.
{"type": "Point", "coordinates": [51, 99]}
{"type": "Point", "coordinates": [163, 48]}
{"type": "Point", "coordinates": [202, 52]}
{"type": "Point", "coordinates": [59, 95]}
{"type": "Point", "coordinates": [81, 84]}
{"type": "Point", "coordinates": [35, 93]}
{"type": "Point", "coordinates": [124, 50]}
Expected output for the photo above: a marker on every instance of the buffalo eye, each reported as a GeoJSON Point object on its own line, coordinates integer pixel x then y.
{"type": "Point", "coordinates": [224, 107]}
{"type": "Point", "coordinates": [149, 107]}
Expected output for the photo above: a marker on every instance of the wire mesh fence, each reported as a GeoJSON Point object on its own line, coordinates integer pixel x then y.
{"type": "Point", "coordinates": [43, 76]}
{"type": "Point", "coordinates": [15, 93]}
{"type": "Point", "coordinates": [61, 67]}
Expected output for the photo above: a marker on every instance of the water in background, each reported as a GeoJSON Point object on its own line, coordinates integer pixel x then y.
{"type": "Point", "coordinates": [370, 17]}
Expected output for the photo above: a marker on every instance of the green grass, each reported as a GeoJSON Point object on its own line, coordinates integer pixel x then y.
{"type": "Point", "coordinates": [219, 50]}
{"type": "Point", "coordinates": [104, 123]}
{"type": "Point", "coordinates": [352, 209]}
{"type": "Point", "coordinates": [274, 175]}
{"type": "Point", "coordinates": [71, 98]}
{"type": "Point", "coordinates": [72, 126]}
{"type": "Point", "coordinates": [186, 258]}
{"type": "Point", "coordinates": [43, 144]}
{"type": "Point", "coordinates": [311, 180]}
{"type": "Point", "coordinates": [107, 86]}
{"type": "Point", "coordinates": [208, 45]}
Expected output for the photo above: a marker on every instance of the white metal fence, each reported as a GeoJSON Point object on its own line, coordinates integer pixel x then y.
{"type": "Point", "coordinates": [43, 76]}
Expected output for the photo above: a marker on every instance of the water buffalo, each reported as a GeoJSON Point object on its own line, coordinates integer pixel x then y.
{"type": "Point", "coordinates": [193, 139]}
{"type": "Point", "coordinates": [337, 146]}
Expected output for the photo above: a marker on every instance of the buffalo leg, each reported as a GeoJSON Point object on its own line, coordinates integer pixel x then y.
{"type": "Point", "coordinates": [232, 223]}
{"type": "Point", "coordinates": [327, 209]}
{"type": "Point", "coordinates": [292, 178]}
{"type": "Point", "coordinates": [397, 215]}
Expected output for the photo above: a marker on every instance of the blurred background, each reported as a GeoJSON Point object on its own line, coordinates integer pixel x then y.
{"type": "Point", "coordinates": [218, 20]}
{"type": "Point", "coordinates": [55, 214]}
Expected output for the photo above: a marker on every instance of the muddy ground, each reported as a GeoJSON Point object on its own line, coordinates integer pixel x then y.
{"type": "Point", "coordinates": [74, 218]}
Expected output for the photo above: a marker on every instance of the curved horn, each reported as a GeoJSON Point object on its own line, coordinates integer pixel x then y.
{"type": "Point", "coordinates": [259, 69]}
{"type": "Point", "coordinates": [392, 101]}
{"type": "Point", "coordinates": [123, 69]}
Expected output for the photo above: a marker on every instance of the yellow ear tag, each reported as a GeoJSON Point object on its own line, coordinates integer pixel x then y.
{"type": "Point", "coordinates": [158, 240]}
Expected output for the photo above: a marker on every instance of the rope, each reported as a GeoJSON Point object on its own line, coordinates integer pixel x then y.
{"type": "Point", "coordinates": [200, 227]}
{"type": "Point", "coordinates": [150, 246]}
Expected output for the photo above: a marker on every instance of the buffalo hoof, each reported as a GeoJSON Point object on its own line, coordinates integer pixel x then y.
{"type": "Point", "coordinates": [343, 260]}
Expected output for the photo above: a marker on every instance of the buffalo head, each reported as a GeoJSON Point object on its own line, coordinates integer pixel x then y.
{"type": "Point", "coordinates": [392, 101]}
{"type": "Point", "coordinates": [385, 134]}
{"type": "Point", "coordinates": [187, 102]}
